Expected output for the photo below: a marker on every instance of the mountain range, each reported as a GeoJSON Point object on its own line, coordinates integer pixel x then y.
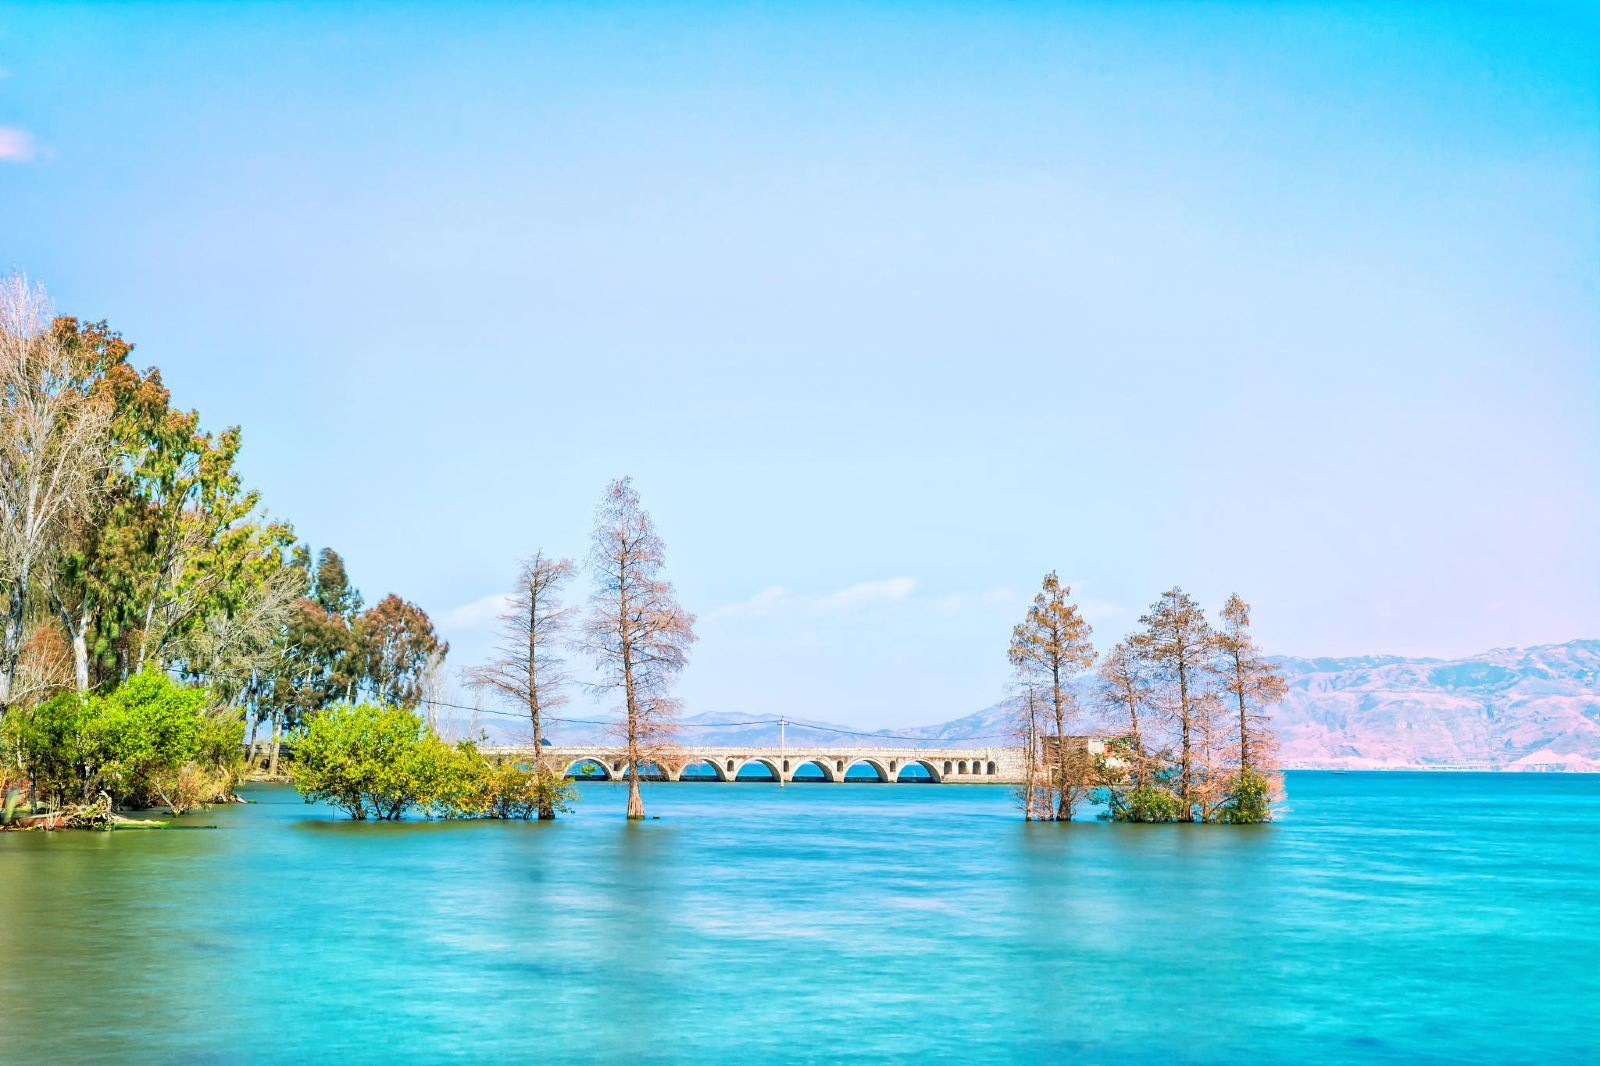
{"type": "Point", "coordinates": [1506, 709]}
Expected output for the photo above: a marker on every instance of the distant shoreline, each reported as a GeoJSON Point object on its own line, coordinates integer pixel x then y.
{"type": "Point", "coordinates": [1453, 769]}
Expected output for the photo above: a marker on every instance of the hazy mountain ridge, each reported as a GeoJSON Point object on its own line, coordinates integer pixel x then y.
{"type": "Point", "coordinates": [1507, 708]}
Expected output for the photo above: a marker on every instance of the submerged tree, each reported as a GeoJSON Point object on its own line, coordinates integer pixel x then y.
{"type": "Point", "coordinates": [1035, 795]}
{"type": "Point", "coordinates": [530, 671]}
{"type": "Point", "coordinates": [1177, 646]}
{"type": "Point", "coordinates": [1250, 681]}
{"type": "Point", "coordinates": [1251, 684]}
{"type": "Point", "coordinates": [1124, 693]}
{"type": "Point", "coordinates": [1048, 647]}
{"type": "Point", "coordinates": [636, 631]}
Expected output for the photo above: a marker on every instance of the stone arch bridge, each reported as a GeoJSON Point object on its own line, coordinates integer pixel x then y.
{"type": "Point", "coordinates": [939, 765]}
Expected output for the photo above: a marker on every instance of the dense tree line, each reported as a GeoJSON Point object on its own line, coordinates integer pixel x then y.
{"type": "Point", "coordinates": [129, 543]}
{"type": "Point", "coordinates": [1184, 703]}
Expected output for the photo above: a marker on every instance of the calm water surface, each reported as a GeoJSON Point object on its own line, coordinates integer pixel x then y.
{"type": "Point", "coordinates": [1401, 917]}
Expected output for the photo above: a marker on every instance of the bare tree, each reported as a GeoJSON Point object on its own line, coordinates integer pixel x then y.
{"type": "Point", "coordinates": [1250, 681]}
{"type": "Point", "coordinates": [1035, 794]}
{"type": "Point", "coordinates": [1177, 646]}
{"type": "Point", "coordinates": [530, 672]}
{"type": "Point", "coordinates": [1048, 647]}
{"type": "Point", "coordinates": [1125, 692]}
{"type": "Point", "coordinates": [230, 648]}
{"type": "Point", "coordinates": [435, 679]}
{"type": "Point", "coordinates": [53, 434]}
{"type": "Point", "coordinates": [636, 631]}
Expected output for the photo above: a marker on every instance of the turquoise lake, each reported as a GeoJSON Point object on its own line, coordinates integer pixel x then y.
{"type": "Point", "coordinates": [1386, 917]}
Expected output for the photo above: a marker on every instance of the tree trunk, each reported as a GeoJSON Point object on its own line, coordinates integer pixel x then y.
{"type": "Point", "coordinates": [11, 649]}
{"type": "Point", "coordinates": [277, 734]}
{"type": "Point", "coordinates": [80, 651]}
{"type": "Point", "coordinates": [635, 802]}
{"type": "Point", "coordinates": [1244, 721]}
{"type": "Point", "coordinates": [1030, 782]}
{"type": "Point", "coordinates": [1185, 763]}
{"type": "Point", "coordinates": [1138, 742]}
{"type": "Point", "coordinates": [77, 627]}
{"type": "Point", "coordinates": [1064, 795]}
{"type": "Point", "coordinates": [630, 699]}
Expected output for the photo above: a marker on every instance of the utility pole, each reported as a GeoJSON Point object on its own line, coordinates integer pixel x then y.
{"type": "Point", "coordinates": [783, 747]}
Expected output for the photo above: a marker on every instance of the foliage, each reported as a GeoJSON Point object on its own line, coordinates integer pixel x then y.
{"type": "Point", "coordinates": [1249, 682]}
{"type": "Point", "coordinates": [150, 738]}
{"type": "Point", "coordinates": [57, 745]}
{"type": "Point", "coordinates": [1176, 649]}
{"type": "Point", "coordinates": [1147, 803]}
{"type": "Point", "coordinates": [512, 790]}
{"type": "Point", "coordinates": [1249, 801]}
{"type": "Point", "coordinates": [1182, 714]}
{"type": "Point", "coordinates": [383, 763]}
{"type": "Point", "coordinates": [1047, 647]}
{"type": "Point", "coordinates": [361, 759]}
{"type": "Point", "coordinates": [398, 643]}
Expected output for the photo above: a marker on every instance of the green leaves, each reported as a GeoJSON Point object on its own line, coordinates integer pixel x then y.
{"type": "Point", "coordinates": [149, 739]}
{"type": "Point", "coordinates": [382, 763]}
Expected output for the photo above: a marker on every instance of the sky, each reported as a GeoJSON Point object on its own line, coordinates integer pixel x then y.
{"type": "Point", "coordinates": [888, 309]}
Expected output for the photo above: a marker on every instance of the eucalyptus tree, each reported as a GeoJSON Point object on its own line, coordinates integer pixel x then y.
{"type": "Point", "coordinates": [636, 631]}
{"type": "Point", "coordinates": [1049, 646]}
{"type": "Point", "coordinates": [53, 428]}
{"type": "Point", "coordinates": [400, 646]}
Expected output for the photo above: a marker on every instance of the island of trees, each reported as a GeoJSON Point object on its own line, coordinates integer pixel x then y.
{"type": "Point", "coordinates": [1181, 705]}
{"type": "Point", "coordinates": [165, 638]}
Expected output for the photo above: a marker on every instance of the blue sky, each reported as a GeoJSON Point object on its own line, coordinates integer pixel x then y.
{"type": "Point", "coordinates": [888, 309]}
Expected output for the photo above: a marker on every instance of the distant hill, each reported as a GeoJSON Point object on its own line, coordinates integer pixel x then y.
{"type": "Point", "coordinates": [1510, 709]}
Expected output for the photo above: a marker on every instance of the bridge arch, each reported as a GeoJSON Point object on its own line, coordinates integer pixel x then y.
{"type": "Point", "coordinates": [821, 762]}
{"type": "Point", "coordinates": [878, 768]}
{"type": "Point", "coordinates": [695, 763]}
{"type": "Point", "coordinates": [601, 765]}
{"type": "Point", "coordinates": [759, 760]}
{"type": "Point", "coordinates": [934, 777]}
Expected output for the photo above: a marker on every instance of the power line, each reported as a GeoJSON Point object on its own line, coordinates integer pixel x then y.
{"type": "Point", "coordinates": [927, 741]}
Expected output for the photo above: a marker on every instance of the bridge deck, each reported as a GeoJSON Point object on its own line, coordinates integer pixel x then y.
{"type": "Point", "coordinates": [942, 765]}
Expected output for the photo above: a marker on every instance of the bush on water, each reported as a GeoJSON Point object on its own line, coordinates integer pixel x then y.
{"type": "Point", "coordinates": [383, 763]}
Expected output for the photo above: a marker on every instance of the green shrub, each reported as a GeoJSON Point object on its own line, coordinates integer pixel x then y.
{"type": "Point", "coordinates": [515, 791]}
{"type": "Point", "coordinates": [1249, 801]}
{"type": "Point", "coordinates": [383, 763]}
{"type": "Point", "coordinates": [1150, 803]}
{"type": "Point", "coordinates": [148, 739]}
{"type": "Point", "coordinates": [362, 760]}
{"type": "Point", "coordinates": [58, 746]}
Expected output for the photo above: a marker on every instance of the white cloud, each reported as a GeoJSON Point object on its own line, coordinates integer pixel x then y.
{"type": "Point", "coordinates": [477, 614]}
{"type": "Point", "coordinates": [776, 598]}
{"type": "Point", "coordinates": [16, 146]}
{"type": "Point", "coordinates": [868, 592]}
